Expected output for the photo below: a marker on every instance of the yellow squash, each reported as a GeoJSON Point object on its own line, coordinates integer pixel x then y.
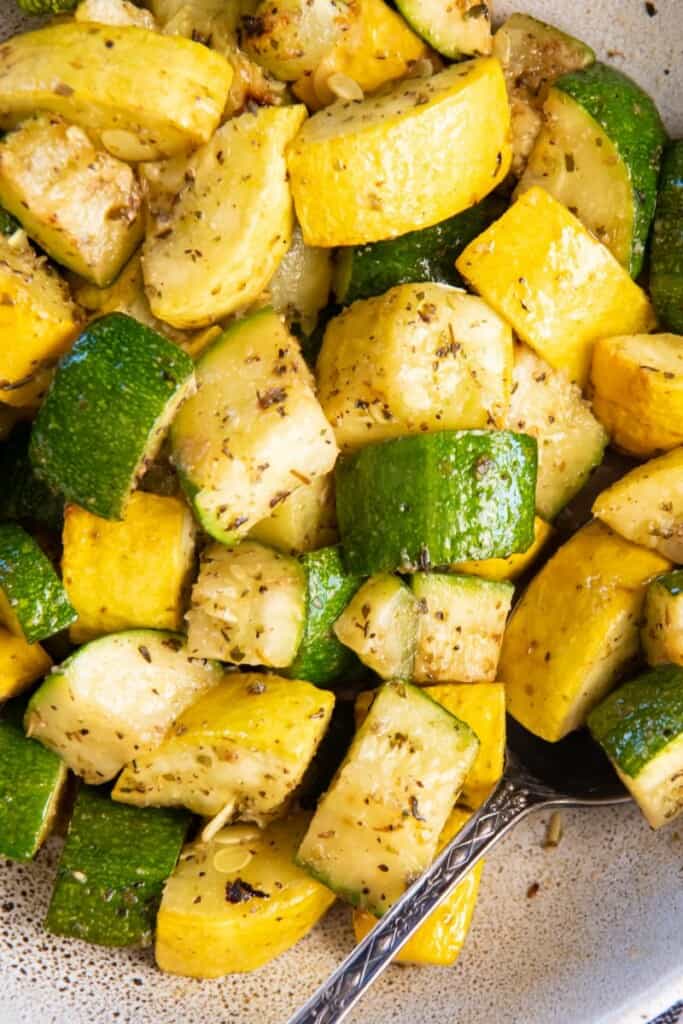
{"type": "Point", "coordinates": [128, 574]}
{"type": "Point", "coordinates": [21, 664]}
{"type": "Point", "coordinates": [575, 630]}
{"type": "Point", "coordinates": [238, 901]}
{"type": "Point", "coordinates": [557, 286]}
{"type": "Point", "coordinates": [512, 567]}
{"type": "Point", "coordinates": [27, 398]}
{"type": "Point", "coordinates": [638, 391]}
{"type": "Point", "coordinates": [441, 938]}
{"type": "Point", "coordinates": [358, 170]}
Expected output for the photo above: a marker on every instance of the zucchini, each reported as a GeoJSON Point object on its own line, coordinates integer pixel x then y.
{"type": "Point", "coordinates": [599, 153]}
{"type": "Point", "coordinates": [637, 383]}
{"type": "Point", "coordinates": [640, 728]}
{"type": "Point", "coordinates": [304, 521]}
{"type": "Point", "coordinates": [460, 627]}
{"type": "Point", "coordinates": [441, 938]}
{"type": "Point", "coordinates": [428, 254]}
{"type": "Point", "coordinates": [38, 320]}
{"type": "Point", "coordinates": [558, 287]}
{"type": "Point", "coordinates": [459, 28]}
{"type": "Point", "coordinates": [380, 625]}
{"type": "Point", "coordinates": [575, 630]}
{"type": "Point", "coordinates": [254, 432]}
{"type": "Point", "coordinates": [95, 728]}
{"type": "Point", "coordinates": [666, 247]}
{"type": "Point", "coordinates": [238, 752]}
{"type": "Point", "coordinates": [33, 602]}
{"type": "Point", "coordinates": [662, 633]}
{"type": "Point", "coordinates": [234, 903]}
{"type": "Point", "coordinates": [571, 442]}
{"type": "Point", "coordinates": [390, 133]}
{"type": "Point", "coordinates": [149, 555]}
{"type": "Point", "coordinates": [300, 287]}
{"type": "Point", "coordinates": [21, 664]}
{"type": "Point", "coordinates": [8, 223]}
{"type": "Point", "coordinates": [216, 237]}
{"type": "Point", "coordinates": [24, 495]}
{"type": "Point", "coordinates": [114, 12]}
{"type": "Point", "coordinates": [112, 870]}
{"type": "Point", "coordinates": [79, 203]}
{"type": "Point", "coordinates": [646, 505]}
{"type": "Point", "coordinates": [32, 781]}
{"type": "Point", "coordinates": [321, 658]}
{"type": "Point", "coordinates": [107, 411]}
{"type": "Point", "coordinates": [144, 95]}
{"type": "Point", "coordinates": [248, 606]}
{"type": "Point", "coordinates": [433, 499]}
{"type": "Point", "coordinates": [438, 359]}
{"type": "Point", "coordinates": [46, 6]}
{"type": "Point", "coordinates": [533, 55]}
{"type": "Point", "coordinates": [377, 827]}
{"type": "Point", "coordinates": [515, 565]}
{"type": "Point", "coordinates": [290, 37]}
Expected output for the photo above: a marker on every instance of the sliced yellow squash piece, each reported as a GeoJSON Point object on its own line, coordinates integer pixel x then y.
{"type": "Point", "coordinates": [21, 664]}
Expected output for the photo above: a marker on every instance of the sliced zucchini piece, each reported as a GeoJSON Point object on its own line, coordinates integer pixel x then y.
{"type": "Point", "coordinates": [533, 55]}
{"type": "Point", "coordinates": [434, 499]}
{"type": "Point", "coordinates": [637, 383]}
{"type": "Point", "coordinates": [216, 238]}
{"type": "Point", "coordinates": [662, 633]}
{"type": "Point", "coordinates": [362, 271]}
{"type": "Point", "coordinates": [114, 12]}
{"type": "Point", "coordinates": [460, 627]}
{"type": "Point", "coordinates": [238, 901]}
{"type": "Point", "coordinates": [290, 37]}
{"type": "Point", "coordinates": [24, 495]}
{"type": "Point", "coordinates": [112, 870]}
{"type": "Point", "coordinates": [455, 28]}
{"type": "Point", "coordinates": [46, 6]}
{"type": "Point", "coordinates": [571, 442]}
{"type": "Point", "coordinates": [321, 658]}
{"type": "Point", "coordinates": [8, 223]}
{"type": "Point", "coordinates": [380, 625]}
{"type": "Point", "coordinates": [238, 752]}
{"type": "Point", "coordinates": [558, 287]}
{"type": "Point", "coordinates": [377, 827]}
{"type": "Point", "coordinates": [646, 505]}
{"type": "Point", "coordinates": [599, 153]}
{"type": "Point", "coordinates": [21, 664]}
{"type": "Point", "coordinates": [304, 521]}
{"type": "Point", "coordinates": [33, 602]}
{"type": "Point", "coordinates": [300, 287]}
{"type": "Point", "coordinates": [440, 939]}
{"type": "Point", "coordinates": [149, 555]}
{"type": "Point", "coordinates": [114, 696]}
{"type": "Point", "coordinates": [107, 411]}
{"type": "Point", "coordinates": [438, 359]}
{"type": "Point", "coordinates": [332, 153]}
{"type": "Point", "coordinates": [254, 432]}
{"type": "Point", "coordinates": [145, 95]}
{"type": "Point", "coordinates": [248, 606]}
{"type": "Point", "coordinates": [666, 247]}
{"type": "Point", "coordinates": [79, 203]}
{"type": "Point", "coordinates": [575, 630]}
{"type": "Point", "coordinates": [32, 781]}
{"type": "Point", "coordinates": [640, 727]}
{"type": "Point", "coordinates": [515, 565]}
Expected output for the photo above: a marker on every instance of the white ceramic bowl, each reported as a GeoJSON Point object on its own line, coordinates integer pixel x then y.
{"type": "Point", "coordinates": [600, 943]}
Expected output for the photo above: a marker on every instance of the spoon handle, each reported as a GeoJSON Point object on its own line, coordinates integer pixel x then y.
{"type": "Point", "coordinates": [510, 802]}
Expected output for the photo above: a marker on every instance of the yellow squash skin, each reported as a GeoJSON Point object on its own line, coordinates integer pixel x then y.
{"type": "Point", "coordinates": [369, 156]}
{"type": "Point", "coordinates": [209, 923]}
{"type": "Point", "coordinates": [575, 629]}
{"type": "Point", "coordinates": [128, 574]}
{"type": "Point", "coordinates": [441, 938]}
{"type": "Point", "coordinates": [513, 567]}
{"type": "Point", "coordinates": [21, 664]}
{"type": "Point", "coordinates": [438, 359]}
{"type": "Point", "coordinates": [558, 287]}
{"type": "Point", "coordinates": [646, 505]}
{"type": "Point", "coordinates": [638, 391]}
{"type": "Point", "coordinates": [146, 95]}
{"type": "Point", "coordinates": [28, 397]}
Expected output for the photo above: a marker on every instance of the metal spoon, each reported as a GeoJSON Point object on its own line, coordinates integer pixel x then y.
{"type": "Point", "coordinates": [572, 773]}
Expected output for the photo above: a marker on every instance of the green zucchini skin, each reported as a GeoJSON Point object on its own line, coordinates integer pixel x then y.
{"type": "Point", "coordinates": [636, 722]}
{"type": "Point", "coordinates": [23, 494]}
{"type": "Point", "coordinates": [8, 223]}
{"type": "Point", "coordinates": [32, 780]}
{"type": "Point", "coordinates": [112, 870]}
{"type": "Point", "coordinates": [31, 587]}
{"type": "Point", "coordinates": [671, 581]}
{"type": "Point", "coordinates": [46, 6]}
{"type": "Point", "coordinates": [429, 500]}
{"type": "Point", "coordinates": [666, 247]}
{"type": "Point", "coordinates": [104, 414]}
{"type": "Point", "coordinates": [426, 255]}
{"type": "Point", "coordinates": [321, 657]}
{"type": "Point", "coordinates": [631, 120]}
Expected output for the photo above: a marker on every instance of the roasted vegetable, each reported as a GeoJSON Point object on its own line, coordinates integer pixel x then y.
{"type": "Point", "coordinates": [461, 28]}
{"type": "Point", "coordinates": [33, 602]}
{"type": "Point", "coordinates": [290, 37]}
{"type": "Point", "coordinates": [21, 664]}
{"type": "Point", "coordinates": [662, 632]}
{"type": "Point", "coordinates": [303, 521]}
{"type": "Point", "coordinates": [666, 247]}
{"type": "Point", "coordinates": [515, 565]}
{"type": "Point", "coordinates": [380, 625]}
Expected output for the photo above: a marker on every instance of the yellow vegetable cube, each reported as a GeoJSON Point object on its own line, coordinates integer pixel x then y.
{"type": "Point", "coordinates": [128, 574]}
{"type": "Point", "coordinates": [557, 286]}
{"type": "Point", "coordinates": [512, 567]}
{"type": "Point", "coordinates": [21, 664]}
